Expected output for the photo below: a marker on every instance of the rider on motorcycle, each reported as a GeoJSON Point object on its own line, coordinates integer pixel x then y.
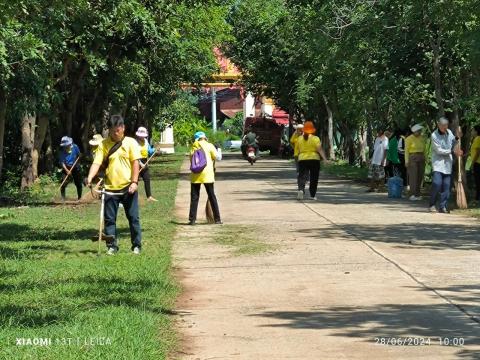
{"type": "Point", "coordinates": [250, 139]}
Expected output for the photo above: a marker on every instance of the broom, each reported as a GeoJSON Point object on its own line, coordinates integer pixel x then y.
{"type": "Point", "coordinates": [461, 198]}
{"type": "Point", "coordinates": [92, 194]}
{"type": "Point", "coordinates": [208, 206]}
{"type": "Point", "coordinates": [209, 213]}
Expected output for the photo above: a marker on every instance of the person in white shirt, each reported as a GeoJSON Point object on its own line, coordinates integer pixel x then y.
{"type": "Point", "coordinates": [444, 146]}
{"type": "Point", "coordinates": [376, 171]}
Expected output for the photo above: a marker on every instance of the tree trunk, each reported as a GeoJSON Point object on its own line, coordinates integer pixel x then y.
{"type": "Point", "coordinates": [72, 100]}
{"type": "Point", "coordinates": [3, 111]}
{"type": "Point", "coordinates": [40, 133]}
{"type": "Point", "coordinates": [87, 125]}
{"type": "Point", "coordinates": [435, 43]}
{"type": "Point", "coordinates": [363, 145]}
{"type": "Point", "coordinates": [331, 149]}
{"type": "Point", "coordinates": [28, 138]}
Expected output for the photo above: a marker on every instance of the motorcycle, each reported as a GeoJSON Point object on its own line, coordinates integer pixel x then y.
{"type": "Point", "coordinates": [251, 157]}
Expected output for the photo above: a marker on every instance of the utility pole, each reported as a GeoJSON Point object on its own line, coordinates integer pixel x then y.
{"type": "Point", "coordinates": [214, 110]}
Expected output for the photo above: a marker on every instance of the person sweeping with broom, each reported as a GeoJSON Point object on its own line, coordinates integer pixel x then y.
{"type": "Point", "coordinates": [146, 150]}
{"type": "Point", "coordinates": [443, 147]}
{"type": "Point", "coordinates": [119, 155]}
{"type": "Point", "coordinates": [69, 156]}
{"type": "Point", "coordinates": [203, 155]}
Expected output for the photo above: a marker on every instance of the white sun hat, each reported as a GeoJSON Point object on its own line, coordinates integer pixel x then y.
{"type": "Point", "coordinates": [417, 127]}
{"type": "Point", "coordinates": [142, 132]}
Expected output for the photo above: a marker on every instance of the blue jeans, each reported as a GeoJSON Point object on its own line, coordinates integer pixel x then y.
{"type": "Point", "coordinates": [441, 184]}
{"type": "Point", "coordinates": [130, 204]}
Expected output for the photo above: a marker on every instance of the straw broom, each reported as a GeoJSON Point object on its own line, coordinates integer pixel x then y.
{"type": "Point", "coordinates": [208, 206]}
{"type": "Point", "coordinates": [461, 198]}
{"type": "Point", "coordinates": [209, 213]}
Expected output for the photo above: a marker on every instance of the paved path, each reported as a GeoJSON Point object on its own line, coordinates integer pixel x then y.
{"type": "Point", "coordinates": [349, 271]}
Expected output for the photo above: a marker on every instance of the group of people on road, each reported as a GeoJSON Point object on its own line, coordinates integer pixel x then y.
{"type": "Point", "coordinates": [395, 155]}
{"type": "Point", "coordinates": [121, 160]}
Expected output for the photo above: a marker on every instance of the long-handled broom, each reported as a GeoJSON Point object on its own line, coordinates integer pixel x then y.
{"type": "Point", "coordinates": [209, 212]}
{"type": "Point", "coordinates": [461, 198]}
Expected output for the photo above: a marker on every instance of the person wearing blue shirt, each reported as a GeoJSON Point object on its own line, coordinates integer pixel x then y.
{"type": "Point", "coordinates": [68, 156]}
{"type": "Point", "coordinates": [146, 150]}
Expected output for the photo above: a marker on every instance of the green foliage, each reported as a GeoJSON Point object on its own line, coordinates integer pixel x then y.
{"type": "Point", "coordinates": [218, 138]}
{"type": "Point", "coordinates": [234, 125]}
{"type": "Point", "coordinates": [78, 61]}
{"type": "Point", "coordinates": [372, 62]}
{"type": "Point", "coordinates": [185, 117]}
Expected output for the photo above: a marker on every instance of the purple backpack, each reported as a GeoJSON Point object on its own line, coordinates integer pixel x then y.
{"type": "Point", "coordinates": [199, 161]}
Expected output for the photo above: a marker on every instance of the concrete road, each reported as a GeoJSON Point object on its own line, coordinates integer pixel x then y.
{"type": "Point", "coordinates": [353, 275]}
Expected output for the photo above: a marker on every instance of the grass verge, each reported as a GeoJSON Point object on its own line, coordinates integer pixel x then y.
{"type": "Point", "coordinates": [55, 287]}
{"type": "Point", "coordinates": [244, 240]}
{"type": "Point", "coordinates": [344, 170]}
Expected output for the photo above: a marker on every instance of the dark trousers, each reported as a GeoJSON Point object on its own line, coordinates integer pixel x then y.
{"type": "Point", "coordinates": [195, 197]}
{"type": "Point", "coordinates": [77, 179]}
{"type": "Point", "coordinates": [403, 169]}
{"type": "Point", "coordinates": [145, 174]}
{"type": "Point", "coordinates": [441, 184]}
{"type": "Point", "coordinates": [304, 168]}
{"type": "Point", "coordinates": [130, 204]}
{"type": "Point", "coordinates": [476, 174]}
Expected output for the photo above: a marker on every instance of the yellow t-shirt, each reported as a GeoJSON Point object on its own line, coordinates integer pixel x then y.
{"type": "Point", "coordinates": [207, 175]}
{"type": "Point", "coordinates": [307, 149]}
{"type": "Point", "coordinates": [414, 144]}
{"type": "Point", "coordinates": [475, 148]}
{"type": "Point", "coordinates": [119, 171]}
{"type": "Point", "coordinates": [144, 149]}
{"type": "Point", "coordinates": [293, 142]}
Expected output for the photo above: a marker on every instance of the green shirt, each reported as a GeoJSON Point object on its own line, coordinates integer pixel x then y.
{"type": "Point", "coordinates": [250, 138]}
{"type": "Point", "coordinates": [392, 152]}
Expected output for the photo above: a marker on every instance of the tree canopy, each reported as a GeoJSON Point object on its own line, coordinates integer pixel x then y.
{"type": "Point", "coordinates": [65, 65]}
{"type": "Point", "coordinates": [357, 65]}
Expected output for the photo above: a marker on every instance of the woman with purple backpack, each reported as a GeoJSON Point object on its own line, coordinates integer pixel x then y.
{"type": "Point", "coordinates": [202, 157]}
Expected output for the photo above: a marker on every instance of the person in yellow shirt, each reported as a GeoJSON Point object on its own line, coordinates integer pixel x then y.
{"type": "Point", "coordinates": [309, 150]}
{"type": "Point", "coordinates": [205, 177]}
{"type": "Point", "coordinates": [293, 141]}
{"type": "Point", "coordinates": [475, 154]}
{"type": "Point", "coordinates": [119, 155]}
{"type": "Point", "coordinates": [146, 150]}
{"type": "Point", "coordinates": [415, 161]}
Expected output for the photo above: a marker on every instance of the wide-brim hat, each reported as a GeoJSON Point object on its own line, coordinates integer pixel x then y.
{"type": "Point", "coordinates": [96, 140]}
{"type": "Point", "coordinates": [416, 128]}
{"type": "Point", "coordinates": [142, 132]}
{"type": "Point", "coordinates": [309, 128]}
{"type": "Point", "coordinates": [66, 141]}
{"type": "Point", "coordinates": [299, 126]}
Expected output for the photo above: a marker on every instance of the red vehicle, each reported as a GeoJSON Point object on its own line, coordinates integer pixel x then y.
{"type": "Point", "coordinates": [269, 130]}
{"type": "Point", "coordinates": [251, 157]}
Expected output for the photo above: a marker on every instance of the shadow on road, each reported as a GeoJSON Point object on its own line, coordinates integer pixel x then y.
{"type": "Point", "coordinates": [409, 235]}
{"type": "Point", "coordinates": [385, 321]}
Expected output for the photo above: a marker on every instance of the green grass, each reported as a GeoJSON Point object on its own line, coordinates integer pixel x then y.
{"type": "Point", "coordinates": [473, 210]}
{"type": "Point", "coordinates": [244, 240]}
{"type": "Point", "coordinates": [344, 170]}
{"type": "Point", "coordinates": [55, 286]}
